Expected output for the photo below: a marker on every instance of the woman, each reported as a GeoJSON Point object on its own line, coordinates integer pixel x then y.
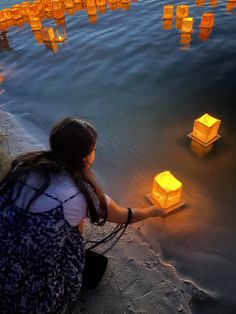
{"type": "Point", "coordinates": [43, 199]}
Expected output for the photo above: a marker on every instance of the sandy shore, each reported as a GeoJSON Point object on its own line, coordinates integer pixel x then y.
{"type": "Point", "coordinates": [137, 280]}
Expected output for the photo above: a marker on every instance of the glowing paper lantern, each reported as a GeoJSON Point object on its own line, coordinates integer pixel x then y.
{"type": "Point", "coordinates": [205, 129]}
{"type": "Point", "coordinates": [47, 5]}
{"type": "Point", "coordinates": [7, 13]}
{"type": "Point", "coordinates": [77, 1]}
{"type": "Point", "coordinates": [101, 2]}
{"type": "Point", "coordinates": [204, 33]}
{"type": "Point", "coordinates": [24, 9]}
{"type": "Point", "coordinates": [187, 25]}
{"type": "Point", "coordinates": [2, 17]}
{"type": "Point", "coordinates": [168, 11]}
{"type": "Point", "coordinates": [207, 20]}
{"type": "Point", "coordinates": [213, 3]}
{"type": "Point", "coordinates": [33, 10]}
{"type": "Point", "coordinates": [57, 8]}
{"type": "Point", "coordinates": [182, 11]}
{"type": "Point", "coordinates": [48, 34]}
{"type": "Point", "coordinates": [200, 3]}
{"type": "Point", "coordinates": [35, 23]}
{"type": "Point", "coordinates": [91, 7]}
{"type": "Point", "coordinates": [166, 190]}
{"type": "Point", "coordinates": [102, 9]}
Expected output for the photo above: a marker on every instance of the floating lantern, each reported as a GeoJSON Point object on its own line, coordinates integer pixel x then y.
{"type": "Point", "coordinates": [207, 20]}
{"type": "Point", "coordinates": [213, 3]}
{"type": "Point", "coordinates": [166, 191]}
{"type": "Point", "coordinates": [168, 11]}
{"type": "Point", "coordinates": [185, 38]}
{"type": "Point", "coordinates": [39, 4]}
{"type": "Point", "coordinates": [167, 24]}
{"type": "Point", "coordinates": [70, 11]}
{"type": "Point", "coordinates": [57, 8]}
{"type": "Point", "coordinates": [48, 34]}
{"type": "Point", "coordinates": [35, 23]}
{"type": "Point", "coordinates": [182, 11]}
{"type": "Point", "coordinates": [204, 33]}
{"type": "Point", "coordinates": [68, 4]}
{"type": "Point", "coordinates": [7, 13]}
{"type": "Point", "coordinates": [47, 6]}
{"type": "Point", "coordinates": [199, 3]}
{"type": "Point", "coordinates": [230, 6]}
{"type": "Point", "coordinates": [78, 7]}
{"type": "Point", "coordinates": [205, 130]}
{"type": "Point", "coordinates": [15, 13]}
{"type": "Point", "coordinates": [113, 6]}
{"type": "Point", "coordinates": [187, 25]}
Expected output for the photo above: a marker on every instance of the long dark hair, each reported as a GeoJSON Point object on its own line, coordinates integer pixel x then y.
{"type": "Point", "coordinates": [71, 141]}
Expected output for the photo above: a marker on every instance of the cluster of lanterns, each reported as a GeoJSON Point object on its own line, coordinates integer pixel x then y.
{"type": "Point", "coordinates": [34, 13]}
{"type": "Point", "coordinates": [185, 23]}
{"type": "Point", "coordinates": [166, 189]}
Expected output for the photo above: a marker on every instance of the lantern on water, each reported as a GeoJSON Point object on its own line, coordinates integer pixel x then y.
{"type": "Point", "coordinates": [101, 2]}
{"type": "Point", "coordinates": [2, 17]}
{"type": "Point", "coordinates": [187, 25]}
{"type": "Point", "coordinates": [68, 4]}
{"type": "Point", "coordinates": [35, 23]}
{"type": "Point", "coordinates": [57, 8]}
{"type": "Point", "coordinates": [199, 3]}
{"type": "Point", "coordinates": [102, 9]}
{"type": "Point", "coordinates": [168, 11]}
{"type": "Point", "coordinates": [48, 34]}
{"type": "Point", "coordinates": [7, 14]}
{"type": "Point", "coordinates": [207, 20]}
{"type": "Point", "coordinates": [77, 1]}
{"type": "Point", "coordinates": [182, 11]}
{"type": "Point", "coordinates": [24, 9]}
{"type": "Point", "coordinates": [166, 190]}
{"type": "Point", "coordinates": [167, 24]}
{"type": "Point", "coordinates": [15, 13]}
{"type": "Point", "coordinates": [91, 7]}
{"type": "Point", "coordinates": [47, 5]}
{"type": "Point", "coordinates": [213, 3]}
{"type": "Point", "coordinates": [205, 129]}
{"type": "Point", "coordinates": [33, 10]}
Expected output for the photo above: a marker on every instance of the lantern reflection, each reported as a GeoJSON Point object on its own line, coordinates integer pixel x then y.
{"type": "Point", "coordinates": [166, 191]}
{"type": "Point", "coordinates": [15, 13]}
{"type": "Point", "coordinates": [35, 23]}
{"type": "Point", "coordinates": [52, 46]}
{"type": "Point", "coordinates": [205, 130]}
{"type": "Point", "coordinates": [200, 150]}
{"type": "Point", "coordinates": [204, 33]}
{"type": "Point", "coordinates": [185, 39]}
{"type": "Point", "coordinates": [167, 24]}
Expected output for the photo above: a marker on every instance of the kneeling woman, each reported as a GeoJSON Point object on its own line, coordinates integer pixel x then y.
{"type": "Point", "coordinates": [43, 199]}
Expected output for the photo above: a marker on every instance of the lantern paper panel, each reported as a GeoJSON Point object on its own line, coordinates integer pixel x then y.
{"type": "Point", "coordinates": [213, 3]}
{"type": "Point", "coordinates": [207, 20]}
{"type": "Point", "coordinates": [167, 190]}
{"type": "Point", "coordinates": [206, 128]}
{"type": "Point", "coordinates": [187, 25]}
{"type": "Point", "coordinates": [35, 23]}
{"type": "Point", "coordinates": [15, 13]}
{"type": "Point", "coordinates": [168, 11]}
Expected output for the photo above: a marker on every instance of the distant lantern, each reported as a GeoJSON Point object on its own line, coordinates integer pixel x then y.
{"type": "Point", "coordinates": [182, 11]}
{"type": "Point", "coordinates": [207, 20]}
{"type": "Point", "coordinates": [168, 11]}
{"type": "Point", "coordinates": [15, 13]}
{"type": "Point", "coordinates": [48, 34]}
{"type": "Point", "coordinates": [7, 13]}
{"type": "Point", "coordinates": [47, 6]}
{"type": "Point", "coordinates": [213, 3]}
{"type": "Point", "coordinates": [91, 7]}
{"type": "Point", "coordinates": [167, 190]}
{"type": "Point", "coordinates": [101, 3]}
{"type": "Point", "coordinates": [58, 11]}
{"type": "Point", "coordinates": [187, 25]}
{"type": "Point", "coordinates": [35, 23]}
{"type": "Point", "coordinates": [68, 4]}
{"type": "Point", "coordinates": [200, 3]}
{"type": "Point", "coordinates": [205, 130]}
{"type": "Point", "coordinates": [24, 9]}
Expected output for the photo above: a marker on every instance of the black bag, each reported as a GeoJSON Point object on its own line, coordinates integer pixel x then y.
{"type": "Point", "coordinates": [95, 263]}
{"type": "Point", "coordinates": [94, 269]}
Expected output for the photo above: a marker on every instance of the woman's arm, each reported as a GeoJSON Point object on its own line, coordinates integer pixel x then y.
{"type": "Point", "coordinates": [119, 214]}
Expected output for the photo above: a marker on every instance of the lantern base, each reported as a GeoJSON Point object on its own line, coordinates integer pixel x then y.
{"type": "Point", "coordinates": [190, 135]}
{"type": "Point", "coordinates": [168, 209]}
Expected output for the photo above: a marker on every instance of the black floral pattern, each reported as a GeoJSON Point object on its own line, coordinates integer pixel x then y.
{"type": "Point", "coordinates": [41, 261]}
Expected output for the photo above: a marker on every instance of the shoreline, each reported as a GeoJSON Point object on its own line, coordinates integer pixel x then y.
{"type": "Point", "coordinates": [137, 279]}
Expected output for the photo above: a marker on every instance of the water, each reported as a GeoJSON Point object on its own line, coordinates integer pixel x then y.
{"type": "Point", "coordinates": [142, 89]}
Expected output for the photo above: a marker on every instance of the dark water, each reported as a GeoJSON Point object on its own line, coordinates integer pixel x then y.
{"type": "Point", "coordinates": [142, 89]}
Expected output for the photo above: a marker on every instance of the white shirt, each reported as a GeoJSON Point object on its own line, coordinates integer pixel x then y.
{"type": "Point", "coordinates": [62, 186]}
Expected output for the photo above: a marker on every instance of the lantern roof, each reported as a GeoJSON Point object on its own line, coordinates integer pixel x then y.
{"type": "Point", "coordinates": [167, 181]}
{"type": "Point", "coordinates": [207, 120]}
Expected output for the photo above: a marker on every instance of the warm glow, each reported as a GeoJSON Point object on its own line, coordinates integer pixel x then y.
{"type": "Point", "coordinates": [167, 24]}
{"type": "Point", "coordinates": [187, 25]}
{"type": "Point", "coordinates": [32, 10]}
{"type": "Point", "coordinates": [182, 11]}
{"type": "Point", "coordinates": [35, 23]}
{"type": "Point", "coordinates": [207, 20]}
{"type": "Point", "coordinates": [68, 4]}
{"type": "Point", "coordinates": [15, 13]}
{"type": "Point", "coordinates": [199, 3]}
{"type": "Point", "coordinates": [206, 128]}
{"type": "Point", "coordinates": [168, 11]}
{"type": "Point", "coordinates": [167, 190]}
{"type": "Point", "coordinates": [204, 33]}
{"type": "Point", "coordinates": [185, 38]}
